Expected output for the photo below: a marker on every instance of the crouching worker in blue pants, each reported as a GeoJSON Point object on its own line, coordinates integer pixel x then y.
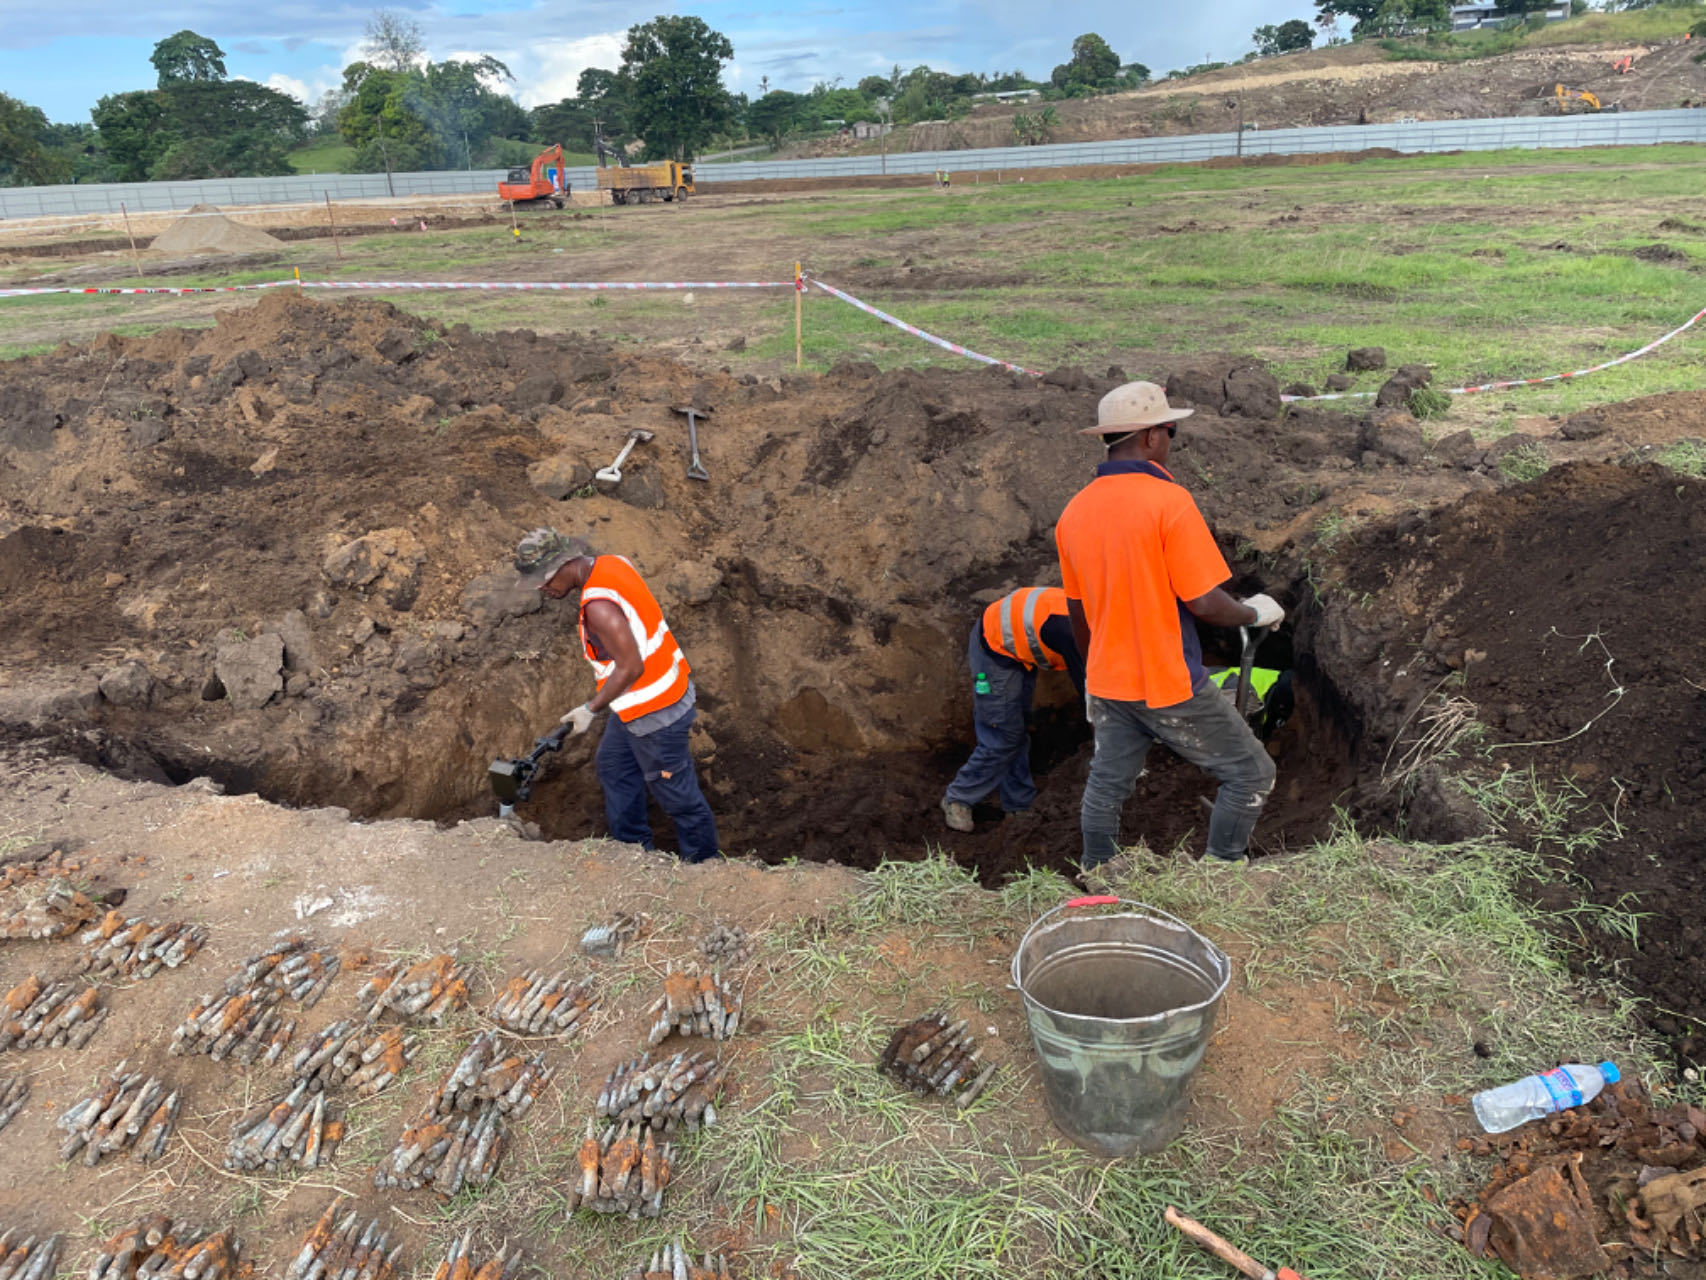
{"type": "Point", "coordinates": [1017, 635]}
{"type": "Point", "coordinates": [643, 680]}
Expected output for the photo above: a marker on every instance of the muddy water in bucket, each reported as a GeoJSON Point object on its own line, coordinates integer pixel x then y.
{"type": "Point", "coordinates": [1120, 1007]}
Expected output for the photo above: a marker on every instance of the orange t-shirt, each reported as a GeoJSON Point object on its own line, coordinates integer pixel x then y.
{"type": "Point", "coordinates": [1134, 547]}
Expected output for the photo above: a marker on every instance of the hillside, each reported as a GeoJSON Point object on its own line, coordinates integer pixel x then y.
{"type": "Point", "coordinates": [1366, 83]}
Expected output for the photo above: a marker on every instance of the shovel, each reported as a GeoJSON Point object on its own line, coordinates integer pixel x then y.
{"type": "Point", "coordinates": [1252, 638]}
{"type": "Point", "coordinates": [695, 468]}
{"type": "Point", "coordinates": [613, 473]}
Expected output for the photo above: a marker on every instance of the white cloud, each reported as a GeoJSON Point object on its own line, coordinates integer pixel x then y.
{"type": "Point", "coordinates": [548, 69]}
{"type": "Point", "coordinates": [297, 89]}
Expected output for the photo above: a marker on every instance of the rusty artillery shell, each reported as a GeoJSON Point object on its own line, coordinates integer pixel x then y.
{"type": "Point", "coordinates": [41, 1014]}
{"type": "Point", "coordinates": [26, 1257]}
{"type": "Point", "coordinates": [610, 938]}
{"type": "Point", "coordinates": [14, 1092]}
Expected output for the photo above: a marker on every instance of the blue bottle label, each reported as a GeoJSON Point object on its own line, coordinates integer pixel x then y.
{"type": "Point", "coordinates": [982, 684]}
{"type": "Point", "coordinates": [1562, 1086]}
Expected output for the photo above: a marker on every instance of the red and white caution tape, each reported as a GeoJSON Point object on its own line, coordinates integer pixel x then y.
{"type": "Point", "coordinates": [547, 285]}
{"type": "Point", "coordinates": [916, 332]}
{"type": "Point", "coordinates": [211, 288]}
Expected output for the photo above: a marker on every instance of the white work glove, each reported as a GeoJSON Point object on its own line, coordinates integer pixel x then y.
{"type": "Point", "coordinates": [1268, 611]}
{"type": "Point", "coordinates": [581, 718]}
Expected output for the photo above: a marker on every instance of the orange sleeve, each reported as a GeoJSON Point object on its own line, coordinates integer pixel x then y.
{"type": "Point", "coordinates": [1068, 571]}
{"type": "Point", "coordinates": [1194, 563]}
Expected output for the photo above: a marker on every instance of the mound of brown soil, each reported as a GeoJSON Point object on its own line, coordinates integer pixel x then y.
{"type": "Point", "coordinates": [1566, 611]}
{"type": "Point", "coordinates": [206, 230]}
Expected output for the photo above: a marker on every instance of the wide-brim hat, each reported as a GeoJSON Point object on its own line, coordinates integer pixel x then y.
{"type": "Point", "coordinates": [544, 551]}
{"type": "Point", "coordinates": [1132, 407]}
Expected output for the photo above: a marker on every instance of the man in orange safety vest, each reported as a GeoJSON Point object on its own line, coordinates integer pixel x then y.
{"type": "Point", "coordinates": [1023, 632]}
{"type": "Point", "coordinates": [643, 679]}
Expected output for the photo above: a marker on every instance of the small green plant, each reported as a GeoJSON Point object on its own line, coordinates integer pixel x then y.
{"type": "Point", "coordinates": [1429, 402]}
{"type": "Point", "coordinates": [1525, 462]}
{"type": "Point", "coordinates": [1686, 456]}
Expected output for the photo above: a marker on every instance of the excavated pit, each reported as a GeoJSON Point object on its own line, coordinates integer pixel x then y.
{"type": "Point", "coordinates": [274, 553]}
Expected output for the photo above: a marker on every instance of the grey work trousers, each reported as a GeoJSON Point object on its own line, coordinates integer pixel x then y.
{"type": "Point", "coordinates": [1206, 730]}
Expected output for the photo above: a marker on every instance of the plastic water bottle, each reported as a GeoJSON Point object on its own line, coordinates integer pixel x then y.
{"type": "Point", "coordinates": [1532, 1097]}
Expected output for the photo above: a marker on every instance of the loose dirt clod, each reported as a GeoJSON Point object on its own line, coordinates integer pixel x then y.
{"type": "Point", "coordinates": [665, 1096]}
{"type": "Point", "coordinates": [131, 1112]}
{"type": "Point", "coordinates": [27, 1258]}
{"type": "Point", "coordinates": [334, 1249]}
{"type": "Point", "coordinates": [357, 1058]}
{"type": "Point", "coordinates": [619, 1173]}
{"type": "Point", "coordinates": [156, 1246]}
{"type": "Point", "coordinates": [121, 947]}
{"type": "Point", "coordinates": [461, 1262]}
{"type": "Point", "coordinates": [928, 1055]}
{"type": "Point", "coordinates": [423, 992]}
{"type": "Point", "coordinates": [43, 1014]}
{"type": "Point", "coordinates": [532, 1004]}
{"type": "Point", "coordinates": [695, 1004]}
{"type": "Point", "coordinates": [14, 1092]}
{"type": "Point", "coordinates": [299, 1128]}
{"type": "Point", "coordinates": [725, 945]}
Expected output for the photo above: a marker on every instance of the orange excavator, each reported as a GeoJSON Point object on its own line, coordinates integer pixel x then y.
{"type": "Point", "coordinates": [543, 184]}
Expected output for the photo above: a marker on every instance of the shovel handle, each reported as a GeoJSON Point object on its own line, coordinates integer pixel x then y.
{"type": "Point", "coordinates": [1198, 1234]}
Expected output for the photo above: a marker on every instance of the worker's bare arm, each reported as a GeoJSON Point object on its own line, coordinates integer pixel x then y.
{"type": "Point", "coordinates": [1219, 609]}
{"type": "Point", "coordinates": [609, 626]}
{"type": "Point", "coordinates": [1080, 625]}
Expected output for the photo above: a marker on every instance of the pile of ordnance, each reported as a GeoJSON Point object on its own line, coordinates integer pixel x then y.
{"type": "Point", "coordinates": [242, 1021]}
{"type": "Point", "coordinates": [298, 1128]}
{"type": "Point", "coordinates": [461, 1137]}
{"type": "Point", "coordinates": [358, 1058]}
{"type": "Point", "coordinates": [726, 946]}
{"type": "Point", "coordinates": [58, 912]}
{"type": "Point", "coordinates": [534, 1004]}
{"type": "Point", "coordinates": [156, 1246]}
{"type": "Point", "coordinates": [291, 967]}
{"type": "Point", "coordinates": [619, 1173]}
{"type": "Point", "coordinates": [423, 992]}
{"type": "Point", "coordinates": [930, 1056]}
{"type": "Point", "coordinates": [27, 1258]}
{"type": "Point", "coordinates": [462, 1263]}
{"type": "Point", "coordinates": [137, 948]}
{"type": "Point", "coordinates": [695, 1004]}
{"type": "Point", "coordinates": [343, 1249]}
{"type": "Point", "coordinates": [43, 1014]}
{"type": "Point", "coordinates": [130, 1112]}
{"type": "Point", "coordinates": [677, 1094]}
{"type": "Point", "coordinates": [673, 1262]}
{"type": "Point", "coordinates": [610, 939]}
{"type": "Point", "coordinates": [14, 1092]}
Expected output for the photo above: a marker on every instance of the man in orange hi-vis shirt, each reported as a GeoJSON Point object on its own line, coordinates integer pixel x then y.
{"type": "Point", "coordinates": [1140, 567]}
{"type": "Point", "coordinates": [643, 679]}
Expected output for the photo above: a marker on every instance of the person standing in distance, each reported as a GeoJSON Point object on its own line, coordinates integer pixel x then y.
{"type": "Point", "coordinates": [1140, 568]}
{"type": "Point", "coordinates": [643, 678]}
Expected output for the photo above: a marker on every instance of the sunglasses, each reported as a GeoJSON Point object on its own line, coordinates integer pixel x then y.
{"type": "Point", "coordinates": [1172, 429]}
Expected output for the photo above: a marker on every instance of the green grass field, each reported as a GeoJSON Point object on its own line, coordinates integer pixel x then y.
{"type": "Point", "coordinates": [323, 155]}
{"type": "Point", "coordinates": [1485, 266]}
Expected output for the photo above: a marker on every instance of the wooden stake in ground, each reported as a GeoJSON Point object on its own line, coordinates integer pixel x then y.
{"type": "Point", "coordinates": [137, 257]}
{"type": "Point", "coordinates": [334, 225]}
{"type": "Point", "coordinates": [799, 318]}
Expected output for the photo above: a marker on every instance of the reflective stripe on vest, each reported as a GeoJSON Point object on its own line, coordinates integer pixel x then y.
{"type": "Point", "coordinates": [663, 677]}
{"type": "Point", "coordinates": [1013, 625]}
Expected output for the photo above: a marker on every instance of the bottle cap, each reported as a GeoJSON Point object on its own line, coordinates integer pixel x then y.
{"type": "Point", "coordinates": [1610, 1073]}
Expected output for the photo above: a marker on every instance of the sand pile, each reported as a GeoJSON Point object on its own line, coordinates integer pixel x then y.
{"type": "Point", "coordinates": [206, 230]}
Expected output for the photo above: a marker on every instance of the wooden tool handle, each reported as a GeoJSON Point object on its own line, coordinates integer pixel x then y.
{"type": "Point", "coordinates": [1195, 1231]}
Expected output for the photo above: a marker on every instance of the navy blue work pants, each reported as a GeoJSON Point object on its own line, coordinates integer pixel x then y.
{"type": "Point", "coordinates": [1002, 758]}
{"type": "Point", "coordinates": [629, 767]}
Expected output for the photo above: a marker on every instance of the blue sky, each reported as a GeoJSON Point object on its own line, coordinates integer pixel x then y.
{"type": "Point", "coordinates": [61, 55]}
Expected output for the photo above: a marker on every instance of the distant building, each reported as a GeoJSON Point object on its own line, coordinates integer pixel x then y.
{"type": "Point", "coordinates": [870, 129]}
{"type": "Point", "coordinates": [1007, 95]}
{"type": "Point", "coordinates": [1467, 17]}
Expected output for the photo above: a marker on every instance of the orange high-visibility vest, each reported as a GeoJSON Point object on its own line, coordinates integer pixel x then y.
{"type": "Point", "coordinates": [663, 680]}
{"type": "Point", "coordinates": [1013, 625]}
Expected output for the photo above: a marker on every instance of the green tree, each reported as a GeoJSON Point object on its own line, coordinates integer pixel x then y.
{"type": "Point", "coordinates": [675, 64]}
{"type": "Point", "coordinates": [1094, 67]}
{"type": "Point", "coordinates": [1385, 17]}
{"type": "Point", "coordinates": [874, 87]}
{"type": "Point", "coordinates": [776, 113]}
{"type": "Point", "coordinates": [186, 58]}
{"type": "Point", "coordinates": [132, 132]}
{"type": "Point", "coordinates": [27, 155]}
{"type": "Point", "coordinates": [1287, 37]}
{"type": "Point", "coordinates": [226, 129]}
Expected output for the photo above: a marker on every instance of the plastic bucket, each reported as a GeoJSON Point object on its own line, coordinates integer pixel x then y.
{"type": "Point", "coordinates": [1120, 1007]}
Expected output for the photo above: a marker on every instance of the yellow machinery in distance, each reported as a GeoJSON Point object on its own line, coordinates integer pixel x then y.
{"type": "Point", "coordinates": [640, 183]}
{"type": "Point", "coordinates": [1567, 98]}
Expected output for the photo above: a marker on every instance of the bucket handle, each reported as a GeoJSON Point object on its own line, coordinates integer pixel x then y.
{"type": "Point", "coordinates": [1103, 900]}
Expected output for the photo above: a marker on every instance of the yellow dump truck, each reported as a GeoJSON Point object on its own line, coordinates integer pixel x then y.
{"type": "Point", "coordinates": [644, 183]}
